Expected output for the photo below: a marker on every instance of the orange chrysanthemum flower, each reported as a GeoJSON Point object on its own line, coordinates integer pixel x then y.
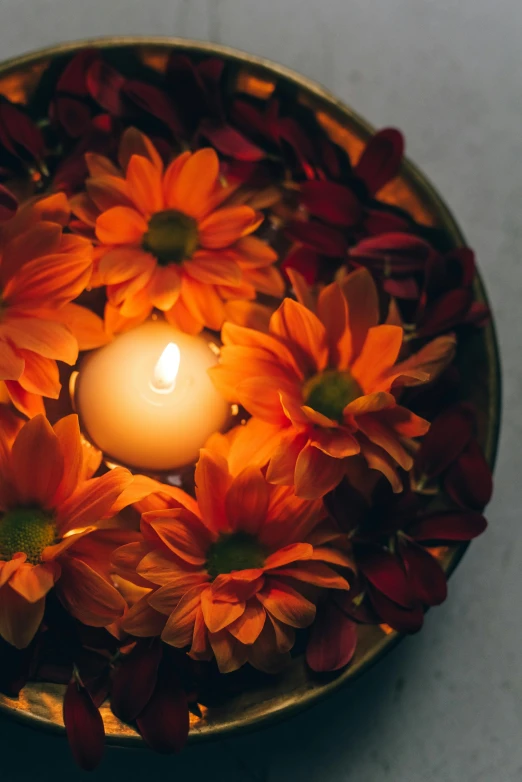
{"type": "Point", "coordinates": [48, 505]}
{"type": "Point", "coordinates": [323, 387]}
{"type": "Point", "coordinates": [168, 239]}
{"type": "Point", "coordinates": [41, 271]}
{"type": "Point", "coordinates": [235, 571]}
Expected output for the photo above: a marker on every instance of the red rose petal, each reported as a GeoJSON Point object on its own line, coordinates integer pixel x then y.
{"type": "Point", "coordinates": [380, 222]}
{"type": "Point", "coordinates": [135, 680]}
{"type": "Point", "coordinates": [84, 726]}
{"type": "Point", "coordinates": [385, 572]}
{"type": "Point", "coordinates": [8, 203]}
{"type": "Point", "coordinates": [317, 236]}
{"type": "Point", "coordinates": [154, 101]}
{"type": "Point", "coordinates": [405, 620]}
{"type": "Point", "coordinates": [73, 79]}
{"type": "Point", "coordinates": [105, 85]}
{"type": "Point", "coordinates": [396, 252]}
{"type": "Point", "coordinates": [446, 312]}
{"type": "Point", "coordinates": [19, 134]}
{"type": "Point", "coordinates": [448, 526]}
{"type": "Point", "coordinates": [381, 160]}
{"type": "Point", "coordinates": [331, 202]}
{"type": "Point", "coordinates": [447, 437]}
{"type": "Point", "coordinates": [231, 142]}
{"type": "Point", "coordinates": [332, 641]}
{"type": "Point", "coordinates": [469, 481]}
{"type": "Point", "coordinates": [72, 115]}
{"type": "Point", "coordinates": [305, 261]}
{"type": "Point", "coordinates": [164, 722]}
{"type": "Point", "coordinates": [426, 577]}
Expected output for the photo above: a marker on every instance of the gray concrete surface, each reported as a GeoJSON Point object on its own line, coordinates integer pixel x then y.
{"type": "Point", "coordinates": [446, 706]}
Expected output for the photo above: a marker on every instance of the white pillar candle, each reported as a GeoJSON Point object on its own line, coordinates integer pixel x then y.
{"type": "Point", "coordinates": [146, 399]}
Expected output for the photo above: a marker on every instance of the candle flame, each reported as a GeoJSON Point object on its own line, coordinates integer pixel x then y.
{"type": "Point", "coordinates": [166, 369]}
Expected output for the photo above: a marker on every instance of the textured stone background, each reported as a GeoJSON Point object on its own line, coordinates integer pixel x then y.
{"type": "Point", "coordinates": [445, 706]}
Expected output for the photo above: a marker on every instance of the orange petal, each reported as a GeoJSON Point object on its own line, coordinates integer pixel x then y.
{"type": "Point", "coordinates": [179, 629]}
{"type": "Point", "coordinates": [124, 263]}
{"type": "Point", "coordinates": [403, 421]}
{"type": "Point", "coordinates": [40, 375]}
{"type": "Point", "coordinates": [8, 568]}
{"type": "Point", "coordinates": [316, 473]}
{"type": "Point", "coordinates": [301, 289]}
{"type": "Point", "coordinates": [92, 500]}
{"type": "Point", "coordinates": [171, 176]}
{"type": "Point", "coordinates": [51, 340]}
{"type": "Point", "coordinates": [253, 444]}
{"type": "Point", "coordinates": [284, 635]}
{"type": "Point", "coordinates": [11, 363]}
{"type": "Point", "coordinates": [281, 468]}
{"type": "Point", "coordinates": [33, 582]}
{"type": "Point", "coordinates": [225, 226]}
{"type": "Point", "coordinates": [87, 328]}
{"type": "Point", "coordinates": [86, 595]}
{"type": "Point", "coordinates": [108, 191]}
{"type": "Point", "coordinates": [427, 364]}
{"type": "Point", "coordinates": [382, 435]}
{"type": "Point", "coordinates": [142, 620]}
{"type": "Point", "coordinates": [200, 649]}
{"type": "Point", "coordinates": [212, 269]}
{"type": "Point", "coordinates": [166, 599]}
{"type": "Point", "coordinates": [250, 338]}
{"type": "Point", "coordinates": [369, 403]}
{"type": "Point", "coordinates": [318, 418]}
{"type": "Point", "coordinates": [363, 306]}
{"type": "Point", "coordinates": [219, 614]}
{"type": "Point", "coordinates": [240, 585]}
{"type": "Point", "coordinates": [84, 209]}
{"type": "Point", "coordinates": [49, 282]}
{"type": "Point", "coordinates": [250, 314]}
{"type": "Point", "coordinates": [304, 332]}
{"type": "Point", "coordinates": [28, 404]}
{"type": "Point", "coordinates": [261, 396]}
{"type": "Point", "coordinates": [180, 317]}
{"type": "Point", "coordinates": [230, 653]}
{"type": "Point", "coordinates": [337, 443]}
{"type": "Point", "coordinates": [37, 463]}
{"type": "Point", "coordinates": [253, 253]}
{"type": "Point", "coordinates": [378, 459]}
{"type": "Point", "coordinates": [287, 605]}
{"type": "Point", "coordinates": [145, 185]}
{"type": "Point", "coordinates": [379, 353]}
{"type": "Point", "coordinates": [38, 240]}
{"type": "Point", "coordinates": [19, 619]}
{"type": "Point", "coordinates": [52, 552]}
{"type": "Point", "coordinates": [268, 280]}
{"type": "Point", "coordinates": [212, 483]}
{"type": "Point", "coordinates": [67, 431]}
{"type": "Point", "coordinates": [182, 532]}
{"type": "Point", "coordinates": [332, 311]}
{"type": "Point", "coordinates": [290, 553]}
{"type": "Point", "coordinates": [99, 165]}
{"type": "Point", "coordinates": [164, 287]}
{"type": "Point", "coordinates": [314, 573]}
{"type": "Point", "coordinates": [191, 182]}
{"type": "Point", "coordinates": [249, 625]}
{"type": "Point", "coordinates": [134, 142]}
{"type": "Point", "coordinates": [247, 501]}
{"type": "Point", "coordinates": [120, 225]}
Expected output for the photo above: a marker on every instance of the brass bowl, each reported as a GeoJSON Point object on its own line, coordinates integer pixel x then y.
{"type": "Point", "coordinates": [266, 701]}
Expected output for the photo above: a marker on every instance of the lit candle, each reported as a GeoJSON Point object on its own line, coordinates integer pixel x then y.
{"type": "Point", "coordinates": [146, 399]}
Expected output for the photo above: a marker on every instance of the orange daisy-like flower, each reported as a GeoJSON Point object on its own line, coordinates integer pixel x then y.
{"type": "Point", "coordinates": [235, 571]}
{"type": "Point", "coordinates": [323, 387]}
{"type": "Point", "coordinates": [168, 239]}
{"type": "Point", "coordinates": [41, 271]}
{"type": "Point", "coordinates": [48, 505]}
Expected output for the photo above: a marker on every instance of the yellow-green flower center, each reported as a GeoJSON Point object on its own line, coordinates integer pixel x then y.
{"type": "Point", "coordinates": [172, 236]}
{"type": "Point", "coordinates": [329, 392]}
{"type": "Point", "coordinates": [27, 530]}
{"type": "Point", "coordinates": [235, 551]}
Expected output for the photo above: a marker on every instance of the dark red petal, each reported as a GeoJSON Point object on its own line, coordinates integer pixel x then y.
{"type": "Point", "coordinates": [380, 222]}
{"type": "Point", "coordinates": [361, 611]}
{"type": "Point", "coordinates": [305, 261]}
{"type": "Point", "coordinates": [446, 312]}
{"type": "Point", "coordinates": [447, 437]}
{"type": "Point", "coordinates": [84, 726]}
{"type": "Point", "coordinates": [453, 525]}
{"type": "Point", "coordinates": [135, 680]}
{"type": "Point", "coordinates": [291, 132]}
{"type": "Point", "coordinates": [394, 252]}
{"type": "Point", "coordinates": [478, 314]}
{"type": "Point", "coordinates": [251, 120]}
{"type": "Point", "coordinates": [465, 258]}
{"type": "Point", "coordinates": [164, 722]}
{"type": "Point", "coordinates": [19, 134]}
{"type": "Point", "coordinates": [230, 142]}
{"type": "Point", "coordinates": [331, 202]}
{"type": "Point", "coordinates": [381, 159]}
{"type": "Point", "coordinates": [386, 573]}
{"type": "Point", "coordinates": [319, 237]}
{"type": "Point", "coordinates": [73, 78]}
{"type": "Point", "coordinates": [469, 481]}
{"type": "Point", "coordinates": [105, 85]}
{"type": "Point", "coordinates": [8, 204]}
{"type": "Point", "coordinates": [405, 288]}
{"type": "Point", "coordinates": [72, 115]}
{"type": "Point", "coordinates": [405, 620]}
{"type": "Point", "coordinates": [333, 639]}
{"type": "Point", "coordinates": [426, 577]}
{"type": "Point", "coordinates": [154, 101]}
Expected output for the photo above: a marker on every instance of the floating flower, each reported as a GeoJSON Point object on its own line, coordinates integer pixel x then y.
{"type": "Point", "coordinates": [42, 270]}
{"type": "Point", "coordinates": [325, 386]}
{"type": "Point", "coordinates": [48, 505]}
{"type": "Point", "coordinates": [166, 240]}
{"type": "Point", "coordinates": [234, 570]}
